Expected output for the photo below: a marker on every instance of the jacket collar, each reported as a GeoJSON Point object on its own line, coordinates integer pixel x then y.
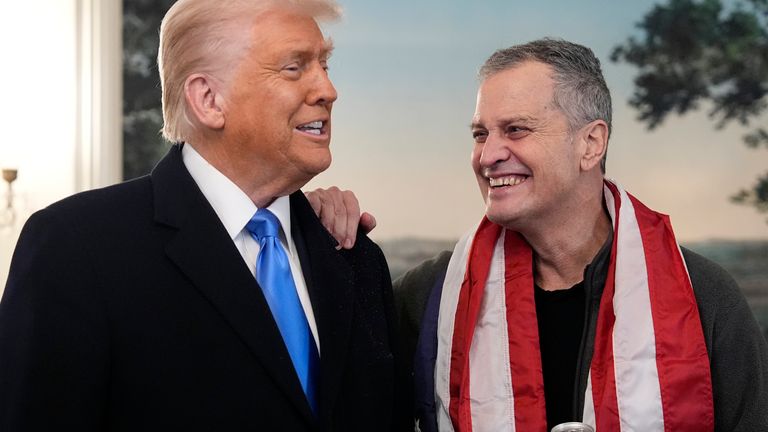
{"type": "Point", "coordinates": [202, 249]}
{"type": "Point", "coordinates": [330, 283]}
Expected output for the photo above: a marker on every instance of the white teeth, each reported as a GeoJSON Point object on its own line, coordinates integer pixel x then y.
{"type": "Point", "coordinates": [313, 125]}
{"type": "Point", "coordinates": [506, 181]}
{"type": "Point", "coordinates": [314, 128]}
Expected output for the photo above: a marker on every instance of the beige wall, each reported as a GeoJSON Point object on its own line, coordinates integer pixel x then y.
{"type": "Point", "coordinates": [61, 109]}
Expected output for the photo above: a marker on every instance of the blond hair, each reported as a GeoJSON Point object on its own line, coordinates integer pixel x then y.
{"type": "Point", "coordinates": [204, 36]}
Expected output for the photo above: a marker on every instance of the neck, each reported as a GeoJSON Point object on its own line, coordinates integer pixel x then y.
{"type": "Point", "coordinates": [563, 248]}
{"type": "Point", "coordinates": [255, 178]}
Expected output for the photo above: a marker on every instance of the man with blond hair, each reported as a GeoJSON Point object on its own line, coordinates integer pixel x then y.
{"type": "Point", "coordinates": [207, 296]}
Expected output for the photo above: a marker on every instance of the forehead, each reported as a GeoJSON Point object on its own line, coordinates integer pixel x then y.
{"type": "Point", "coordinates": [283, 30]}
{"type": "Point", "coordinates": [525, 90]}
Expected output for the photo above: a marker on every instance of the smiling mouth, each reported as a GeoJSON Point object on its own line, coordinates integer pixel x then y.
{"type": "Point", "coordinates": [312, 128]}
{"type": "Point", "coordinates": [511, 180]}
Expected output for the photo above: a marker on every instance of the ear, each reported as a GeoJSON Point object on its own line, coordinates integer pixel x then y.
{"type": "Point", "coordinates": [595, 136]}
{"type": "Point", "coordinates": [204, 100]}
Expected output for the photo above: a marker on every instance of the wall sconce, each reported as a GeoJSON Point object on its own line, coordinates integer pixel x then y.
{"type": "Point", "coordinates": [7, 211]}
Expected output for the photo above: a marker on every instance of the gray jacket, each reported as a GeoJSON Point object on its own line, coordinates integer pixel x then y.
{"type": "Point", "coordinates": [738, 353]}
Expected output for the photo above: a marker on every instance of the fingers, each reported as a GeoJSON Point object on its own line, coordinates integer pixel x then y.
{"type": "Point", "coordinates": [337, 215]}
{"type": "Point", "coordinates": [330, 209]}
{"type": "Point", "coordinates": [339, 212]}
{"type": "Point", "coordinates": [314, 200]}
{"type": "Point", "coordinates": [322, 204]}
{"type": "Point", "coordinates": [352, 207]}
{"type": "Point", "coordinates": [367, 222]}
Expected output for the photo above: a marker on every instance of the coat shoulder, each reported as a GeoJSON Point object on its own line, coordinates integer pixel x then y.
{"type": "Point", "coordinates": [95, 205]}
{"type": "Point", "coordinates": [713, 286]}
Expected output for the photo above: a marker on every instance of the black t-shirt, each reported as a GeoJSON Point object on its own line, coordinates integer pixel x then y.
{"type": "Point", "coordinates": [560, 315]}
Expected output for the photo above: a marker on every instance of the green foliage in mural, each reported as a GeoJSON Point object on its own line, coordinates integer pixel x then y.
{"type": "Point", "coordinates": [142, 115]}
{"type": "Point", "coordinates": [693, 52]}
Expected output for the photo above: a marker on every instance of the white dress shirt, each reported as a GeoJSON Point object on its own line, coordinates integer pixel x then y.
{"type": "Point", "coordinates": [235, 210]}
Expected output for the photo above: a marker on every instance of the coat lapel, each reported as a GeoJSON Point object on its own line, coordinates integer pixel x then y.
{"type": "Point", "coordinates": [330, 283]}
{"type": "Point", "coordinates": [205, 253]}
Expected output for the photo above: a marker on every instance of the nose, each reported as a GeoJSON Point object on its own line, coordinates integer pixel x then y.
{"type": "Point", "coordinates": [494, 151]}
{"type": "Point", "coordinates": [323, 92]}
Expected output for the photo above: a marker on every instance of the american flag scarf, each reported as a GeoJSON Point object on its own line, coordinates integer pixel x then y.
{"type": "Point", "coordinates": [649, 372]}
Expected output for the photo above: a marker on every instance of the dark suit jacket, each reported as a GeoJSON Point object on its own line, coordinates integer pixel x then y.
{"type": "Point", "coordinates": [130, 309]}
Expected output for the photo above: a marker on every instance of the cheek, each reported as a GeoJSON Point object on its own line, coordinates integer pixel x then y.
{"type": "Point", "coordinates": [248, 115]}
{"type": "Point", "coordinates": [482, 183]}
{"type": "Point", "coordinates": [474, 158]}
{"type": "Point", "coordinates": [287, 99]}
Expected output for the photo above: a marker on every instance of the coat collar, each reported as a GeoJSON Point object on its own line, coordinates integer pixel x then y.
{"type": "Point", "coordinates": [202, 249]}
{"type": "Point", "coordinates": [330, 281]}
{"type": "Point", "coordinates": [204, 252]}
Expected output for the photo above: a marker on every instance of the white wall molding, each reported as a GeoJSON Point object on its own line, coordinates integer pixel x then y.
{"type": "Point", "coordinates": [99, 135]}
{"type": "Point", "coordinates": [64, 110]}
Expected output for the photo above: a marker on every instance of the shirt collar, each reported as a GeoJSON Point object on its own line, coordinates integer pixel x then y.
{"type": "Point", "coordinates": [231, 204]}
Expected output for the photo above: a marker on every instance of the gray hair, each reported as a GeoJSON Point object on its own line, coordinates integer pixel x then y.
{"type": "Point", "coordinates": [580, 90]}
{"type": "Point", "coordinates": [204, 36]}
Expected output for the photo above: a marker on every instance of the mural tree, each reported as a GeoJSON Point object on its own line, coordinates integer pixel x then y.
{"type": "Point", "coordinates": [693, 52]}
{"type": "Point", "coordinates": [142, 113]}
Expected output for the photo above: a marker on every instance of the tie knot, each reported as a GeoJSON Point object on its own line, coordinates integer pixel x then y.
{"type": "Point", "coordinates": [263, 224]}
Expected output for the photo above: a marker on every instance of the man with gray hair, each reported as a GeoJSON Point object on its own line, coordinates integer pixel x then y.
{"type": "Point", "coordinates": [207, 296]}
{"type": "Point", "coordinates": [571, 300]}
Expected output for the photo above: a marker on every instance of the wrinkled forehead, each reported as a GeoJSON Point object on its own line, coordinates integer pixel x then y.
{"type": "Point", "coordinates": [526, 89]}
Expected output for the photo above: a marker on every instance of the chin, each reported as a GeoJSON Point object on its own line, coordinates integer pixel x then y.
{"type": "Point", "coordinates": [320, 164]}
{"type": "Point", "coordinates": [504, 217]}
{"type": "Point", "coordinates": [313, 167]}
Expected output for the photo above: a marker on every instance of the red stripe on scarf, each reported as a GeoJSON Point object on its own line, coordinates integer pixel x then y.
{"type": "Point", "coordinates": [681, 356]}
{"type": "Point", "coordinates": [682, 361]}
{"type": "Point", "coordinates": [467, 310]}
{"type": "Point", "coordinates": [523, 334]}
{"type": "Point", "coordinates": [602, 367]}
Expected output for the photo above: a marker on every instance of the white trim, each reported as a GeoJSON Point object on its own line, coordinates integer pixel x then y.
{"type": "Point", "coordinates": [638, 392]}
{"type": "Point", "coordinates": [99, 132]}
{"type": "Point", "coordinates": [449, 300]}
{"type": "Point", "coordinates": [490, 386]}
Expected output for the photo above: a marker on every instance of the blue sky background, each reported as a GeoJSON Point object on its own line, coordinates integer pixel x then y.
{"type": "Point", "coordinates": [405, 72]}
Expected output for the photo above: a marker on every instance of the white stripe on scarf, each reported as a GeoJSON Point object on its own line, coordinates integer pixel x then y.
{"type": "Point", "coordinates": [449, 300]}
{"type": "Point", "coordinates": [637, 381]}
{"type": "Point", "coordinates": [634, 345]}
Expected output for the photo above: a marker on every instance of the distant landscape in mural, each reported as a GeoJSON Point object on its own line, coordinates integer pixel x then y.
{"type": "Point", "coordinates": [744, 260]}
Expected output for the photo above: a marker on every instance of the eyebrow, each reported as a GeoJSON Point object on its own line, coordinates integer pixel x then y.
{"type": "Point", "coordinates": [506, 121]}
{"type": "Point", "coordinates": [329, 47]}
{"type": "Point", "coordinates": [305, 54]}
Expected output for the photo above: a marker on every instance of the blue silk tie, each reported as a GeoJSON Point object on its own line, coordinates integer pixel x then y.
{"type": "Point", "coordinates": [273, 273]}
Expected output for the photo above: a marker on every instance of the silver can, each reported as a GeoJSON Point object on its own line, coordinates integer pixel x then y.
{"type": "Point", "coordinates": [573, 427]}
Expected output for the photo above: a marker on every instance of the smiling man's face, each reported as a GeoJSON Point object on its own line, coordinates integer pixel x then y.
{"type": "Point", "coordinates": [279, 106]}
{"type": "Point", "coordinates": [524, 159]}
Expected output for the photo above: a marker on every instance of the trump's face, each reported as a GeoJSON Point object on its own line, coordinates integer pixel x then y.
{"type": "Point", "coordinates": [524, 158]}
{"type": "Point", "coordinates": [279, 101]}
